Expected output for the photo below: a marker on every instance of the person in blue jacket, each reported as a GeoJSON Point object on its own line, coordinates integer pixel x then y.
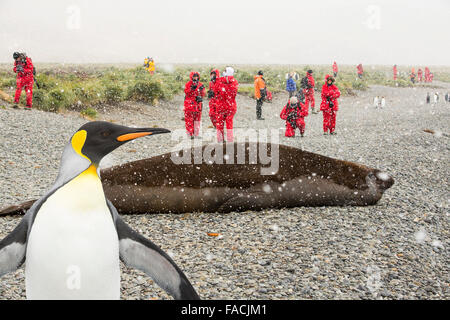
{"type": "Point", "coordinates": [291, 86]}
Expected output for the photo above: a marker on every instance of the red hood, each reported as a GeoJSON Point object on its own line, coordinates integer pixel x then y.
{"type": "Point", "coordinates": [326, 78]}
{"type": "Point", "coordinates": [192, 74]}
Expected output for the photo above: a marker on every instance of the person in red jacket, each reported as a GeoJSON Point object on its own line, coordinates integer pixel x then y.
{"type": "Point", "coordinates": [359, 67]}
{"type": "Point", "coordinates": [427, 74]}
{"type": "Point", "coordinates": [226, 108]}
{"type": "Point", "coordinates": [329, 105]}
{"type": "Point", "coordinates": [194, 93]}
{"type": "Point", "coordinates": [335, 69]}
{"type": "Point", "coordinates": [23, 66]}
{"type": "Point", "coordinates": [430, 77]}
{"type": "Point", "coordinates": [308, 90]}
{"type": "Point", "coordinates": [395, 72]}
{"type": "Point", "coordinates": [419, 75]}
{"type": "Point", "coordinates": [294, 112]}
{"type": "Point", "coordinates": [213, 95]}
{"type": "Point", "coordinates": [412, 75]}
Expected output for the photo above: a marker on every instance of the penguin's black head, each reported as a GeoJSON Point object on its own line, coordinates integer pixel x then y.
{"type": "Point", "coordinates": [96, 139]}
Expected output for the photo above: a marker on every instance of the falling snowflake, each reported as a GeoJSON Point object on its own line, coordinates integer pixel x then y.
{"type": "Point", "coordinates": [420, 235]}
{"type": "Point", "coordinates": [437, 244]}
{"type": "Point", "coordinates": [170, 253]}
{"type": "Point", "coordinates": [267, 188]}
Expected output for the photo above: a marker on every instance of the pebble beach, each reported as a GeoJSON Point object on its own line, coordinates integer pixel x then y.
{"type": "Point", "coordinates": [397, 249]}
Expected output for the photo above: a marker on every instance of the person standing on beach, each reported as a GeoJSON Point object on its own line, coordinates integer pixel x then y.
{"type": "Point", "coordinates": [213, 95]}
{"type": "Point", "coordinates": [226, 108]}
{"type": "Point", "coordinates": [260, 93]}
{"type": "Point", "coordinates": [24, 68]}
{"type": "Point", "coordinates": [427, 74]}
{"type": "Point", "coordinates": [412, 75]}
{"type": "Point", "coordinates": [360, 70]}
{"type": "Point", "coordinates": [151, 66]}
{"type": "Point", "coordinates": [335, 69]}
{"type": "Point", "coordinates": [291, 86]}
{"type": "Point", "coordinates": [419, 75]}
{"type": "Point", "coordinates": [308, 85]}
{"type": "Point", "coordinates": [194, 93]}
{"type": "Point", "coordinates": [329, 105]}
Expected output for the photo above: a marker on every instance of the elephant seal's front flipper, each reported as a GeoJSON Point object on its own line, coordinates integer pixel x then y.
{"type": "Point", "coordinates": [17, 209]}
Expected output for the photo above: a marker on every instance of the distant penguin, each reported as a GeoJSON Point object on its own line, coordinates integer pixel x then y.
{"type": "Point", "coordinates": [375, 102]}
{"type": "Point", "coordinates": [72, 238]}
{"type": "Point", "coordinates": [428, 97]}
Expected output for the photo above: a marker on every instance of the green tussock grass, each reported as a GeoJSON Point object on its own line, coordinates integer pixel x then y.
{"type": "Point", "coordinates": [86, 87]}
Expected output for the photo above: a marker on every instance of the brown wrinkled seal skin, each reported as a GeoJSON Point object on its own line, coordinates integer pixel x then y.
{"type": "Point", "coordinates": [158, 185]}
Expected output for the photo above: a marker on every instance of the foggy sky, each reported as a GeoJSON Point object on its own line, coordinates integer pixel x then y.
{"type": "Point", "coordinates": [404, 32]}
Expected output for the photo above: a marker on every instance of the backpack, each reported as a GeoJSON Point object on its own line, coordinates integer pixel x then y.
{"type": "Point", "coordinates": [300, 96]}
{"type": "Point", "coordinates": [304, 83]}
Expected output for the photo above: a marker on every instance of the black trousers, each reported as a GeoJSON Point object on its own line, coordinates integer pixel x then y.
{"type": "Point", "coordinates": [259, 104]}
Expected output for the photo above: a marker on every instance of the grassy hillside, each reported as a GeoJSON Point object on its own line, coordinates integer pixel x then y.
{"type": "Point", "coordinates": [85, 87]}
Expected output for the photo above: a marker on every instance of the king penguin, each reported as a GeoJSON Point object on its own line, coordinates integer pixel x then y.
{"type": "Point", "coordinates": [73, 238]}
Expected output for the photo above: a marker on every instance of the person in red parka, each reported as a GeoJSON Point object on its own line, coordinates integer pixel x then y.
{"type": "Point", "coordinates": [329, 105]}
{"type": "Point", "coordinates": [226, 108]}
{"type": "Point", "coordinates": [23, 66]}
{"type": "Point", "coordinates": [359, 67]}
{"type": "Point", "coordinates": [194, 93]}
{"type": "Point", "coordinates": [308, 90]}
{"type": "Point", "coordinates": [294, 112]}
{"type": "Point", "coordinates": [335, 69]}
{"type": "Point", "coordinates": [395, 72]}
{"type": "Point", "coordinates": [419, 75]}
{"type": "Point", "coordinates": [213, 95]}
{"type": "Point", "coordinates": [427, 74]}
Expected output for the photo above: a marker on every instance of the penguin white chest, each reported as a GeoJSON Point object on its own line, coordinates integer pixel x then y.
{"type": "Point", "coordinates": [73, 247]}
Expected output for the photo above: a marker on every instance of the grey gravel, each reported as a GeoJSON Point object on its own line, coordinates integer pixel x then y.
{"type": "Point", "coordinates": [397, 249]}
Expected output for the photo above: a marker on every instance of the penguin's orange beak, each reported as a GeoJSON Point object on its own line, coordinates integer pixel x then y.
{"type": "Point", "coordinates": [140, 133]}
{"type": "Point", "coordinates": [131, 136]}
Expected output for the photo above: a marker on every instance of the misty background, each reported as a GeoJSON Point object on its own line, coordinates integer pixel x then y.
{"type": "Point", "coordinates": [405, 32]}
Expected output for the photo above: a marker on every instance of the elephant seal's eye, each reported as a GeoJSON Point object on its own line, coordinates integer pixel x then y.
{"type": "Point", "coordinates": [106, 134]}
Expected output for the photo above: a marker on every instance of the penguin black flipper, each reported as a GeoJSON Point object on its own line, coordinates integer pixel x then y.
{"type": "Point", "coordinates": [13, 248]}
{"type": "Point", "coordinates": [138, 252]}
